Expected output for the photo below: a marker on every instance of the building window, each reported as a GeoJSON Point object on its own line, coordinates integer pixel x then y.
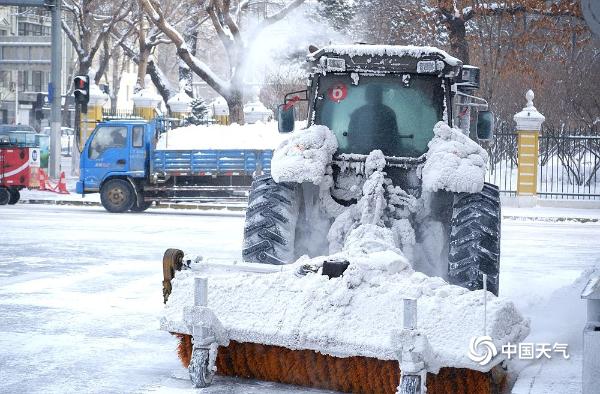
{"type": "Point", "coordinates": [33, 29]}
{"type": "Point", "coordinates": [36, 81]}
{"type": "Point", "coordinates": [5, 79]}
{"type": "Point", "coordinates": [23, 81]}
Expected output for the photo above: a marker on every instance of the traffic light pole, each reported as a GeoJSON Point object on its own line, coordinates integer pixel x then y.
{"type": "Point", "coordinates": [55, 80]}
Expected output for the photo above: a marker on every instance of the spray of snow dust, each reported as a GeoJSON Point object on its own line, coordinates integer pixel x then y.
{"type": "Point", "coordinates": [284, 44]}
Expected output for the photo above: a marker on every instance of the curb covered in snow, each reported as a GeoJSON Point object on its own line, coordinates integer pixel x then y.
{"type": "Point", "coordinates": [551, 219]}
{"type": "Point", "coordinates": [203, 207]}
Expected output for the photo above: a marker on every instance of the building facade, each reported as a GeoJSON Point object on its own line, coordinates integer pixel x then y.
{"type": "Point", "coordinates": [25, 53]}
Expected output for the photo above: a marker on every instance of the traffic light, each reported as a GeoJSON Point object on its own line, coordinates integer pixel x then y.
{"type": "Point", "coordinates": [38, 105]}
{"type": "Point", "coordinates": [82, 91]}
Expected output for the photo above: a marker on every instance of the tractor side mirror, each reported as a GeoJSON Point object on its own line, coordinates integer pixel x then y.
{"type": "Point", "coordinates": [286, 117]}
{"type": "Point", "coordinates": [485, 125]}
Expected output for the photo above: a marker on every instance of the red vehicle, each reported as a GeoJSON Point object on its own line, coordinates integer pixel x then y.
{"type": "Point", "coordinates": [16, 161]}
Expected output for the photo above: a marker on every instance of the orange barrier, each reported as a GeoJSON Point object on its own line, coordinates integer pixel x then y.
{"type": "Point", "coordinates": [42, 179]}
{"type": "Point", "coordinates": [46, 183]}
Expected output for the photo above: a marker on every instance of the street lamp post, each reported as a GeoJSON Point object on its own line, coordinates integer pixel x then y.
{"type": "Point", "coordinates": [56, 88]}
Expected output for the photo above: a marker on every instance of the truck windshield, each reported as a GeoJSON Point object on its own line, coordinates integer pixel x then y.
{"type": "Point", "coordinates": [393, 113]}
{"type": "Point", "coordinates": [107, 137]}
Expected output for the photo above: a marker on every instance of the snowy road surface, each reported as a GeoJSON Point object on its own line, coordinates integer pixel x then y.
{"type": "Point", "coordinates": [80, 292]}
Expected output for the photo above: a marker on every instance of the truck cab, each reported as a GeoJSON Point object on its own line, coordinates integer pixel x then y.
{"type": "Point", "coordinates": [115, 162]}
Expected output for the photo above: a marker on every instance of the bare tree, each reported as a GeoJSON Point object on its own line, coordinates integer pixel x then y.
{"type": "Point", "coordinates": [226, 18]}
{"type": "Point", "coordinates": [93, 22]}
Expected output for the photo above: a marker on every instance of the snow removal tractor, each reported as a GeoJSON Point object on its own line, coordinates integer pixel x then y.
{"type": "Point", "coordinates": [387, 99]}
{"type": "Point", "coordinates": [371, 248]}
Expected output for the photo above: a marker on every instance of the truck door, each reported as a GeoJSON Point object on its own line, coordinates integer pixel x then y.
{"type": "Point", "coordinates": [107, 151]}
{"type": "Point", "coordinates": [137, 152]}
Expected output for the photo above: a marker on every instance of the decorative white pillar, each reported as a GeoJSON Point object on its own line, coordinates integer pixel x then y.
{"type": "Point", "coordinates": [146, 101]}
{"type": "Point", "coordinates": [180, 104]}
{"type": "Point", "coordinates": [529, 123]}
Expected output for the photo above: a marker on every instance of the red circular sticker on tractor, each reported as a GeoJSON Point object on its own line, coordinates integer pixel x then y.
{"type": "Point", "coordinates": [337, 92]}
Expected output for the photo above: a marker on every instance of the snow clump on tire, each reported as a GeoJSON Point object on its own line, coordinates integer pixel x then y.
{"type": "Point", "coordinates": [454, 162]}
{"type": "Point", "coordinates": [305, 156]}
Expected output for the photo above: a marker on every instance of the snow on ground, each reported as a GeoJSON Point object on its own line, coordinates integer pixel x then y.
{"type": "Point", "coordinates": [80, 297]}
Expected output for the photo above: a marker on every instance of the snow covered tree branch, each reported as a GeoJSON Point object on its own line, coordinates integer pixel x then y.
{"type": "Point", "coordinates": [226, 18]}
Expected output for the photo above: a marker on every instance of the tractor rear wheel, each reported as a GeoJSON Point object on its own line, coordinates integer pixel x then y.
{"type": "Point", "coordinates": [4, 196]}
{"type": "Point", "coordinates": [270, 229]}
{"type": "Point", "coordinates": [14, 196]}
{"type": "Point", "coordinates": [475, 240]}
{"type": "Point", "coordinates": [117, 195]}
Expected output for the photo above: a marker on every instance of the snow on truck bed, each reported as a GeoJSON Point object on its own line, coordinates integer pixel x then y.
{"type": "Point", "coordinates": [250, 136]}
{"type": "Point", "coordinates": [358, 314]}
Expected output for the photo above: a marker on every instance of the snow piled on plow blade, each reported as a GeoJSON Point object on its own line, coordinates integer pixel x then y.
{"type": "Point", "coordinates": [358, 314]}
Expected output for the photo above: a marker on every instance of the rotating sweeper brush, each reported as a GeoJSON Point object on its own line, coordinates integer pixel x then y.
{"type": "Point", "coordinates": [369, 243]}
{"type": "Point", "coordinates": [350, 333]}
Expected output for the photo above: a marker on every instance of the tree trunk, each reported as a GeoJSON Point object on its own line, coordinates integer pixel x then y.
{"type": "Point", "coordinates": [117, 70]}
{"type": "Point", "coordinates": [142, 67]}
{"type": "Point", "coordinates": [160, 81]}
{"type": "Point", "coordinates": [458, 38]}
{"type": "Point", "coordinates": [190, 38]}
{"type": "Point", "coordinates": [236, 107]}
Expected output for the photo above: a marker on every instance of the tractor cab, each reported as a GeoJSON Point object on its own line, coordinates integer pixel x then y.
{"type": "Point", "coordinates": [388, 97]}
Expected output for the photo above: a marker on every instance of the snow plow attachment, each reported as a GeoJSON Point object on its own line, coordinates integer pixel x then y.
{"type": "Point", "coordinates": [350, 333]}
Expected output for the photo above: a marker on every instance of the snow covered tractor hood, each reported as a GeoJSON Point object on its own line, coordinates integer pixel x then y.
{"type": "Point", "coordinates": [385, 59]}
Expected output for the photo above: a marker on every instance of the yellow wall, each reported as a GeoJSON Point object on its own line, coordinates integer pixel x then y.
{"type": "Point", "coordinates": [88, 123]}
{"type": "Point", "coordinates": [145, 112]}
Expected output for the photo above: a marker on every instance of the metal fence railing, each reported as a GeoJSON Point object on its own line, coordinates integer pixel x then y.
{"type": "Point", "coordinates": [502, 169]}
{"type": "Point", "coordinates": [569, 164]}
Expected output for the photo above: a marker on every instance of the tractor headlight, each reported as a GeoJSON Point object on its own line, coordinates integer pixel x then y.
{"type": "Point", "coordinates": [333, 63]}
{"type": "Point", "coordinates": [429, 66]}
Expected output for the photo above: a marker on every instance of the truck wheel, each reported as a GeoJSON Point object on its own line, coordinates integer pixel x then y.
{"type": "Point", "coordinates": [475, 240]}
{"type": "Point", "coordinates": [117, 196]}
{"type": "Point", "coordinates": [14, 196]}
{"type": "Point", "coordinates": [141, 208]}
{"type": "Point", "coordinates": [4, 196]}
{"type": "Point", "coordinates": [270, 229]}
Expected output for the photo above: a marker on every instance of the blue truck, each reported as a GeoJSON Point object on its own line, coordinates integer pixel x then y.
{"type": "Point", "coordinates": [120, 161]}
